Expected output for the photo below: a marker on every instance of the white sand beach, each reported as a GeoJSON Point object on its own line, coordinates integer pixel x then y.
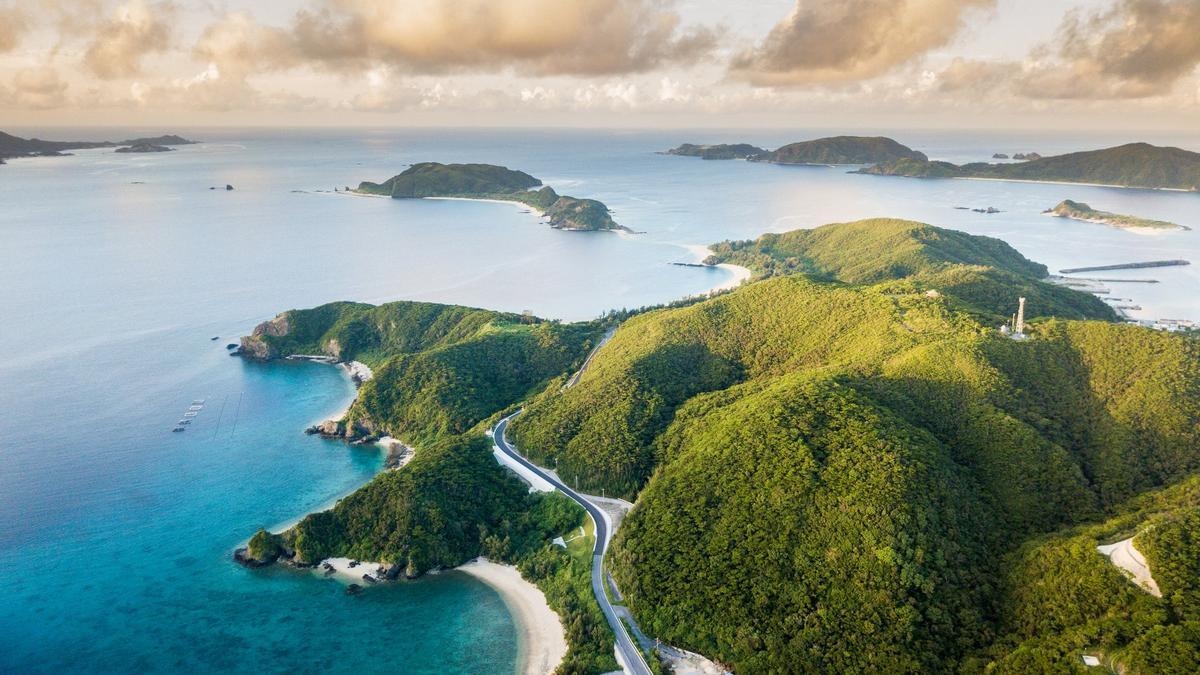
{"type": "Point", "coordinates": [523, 205]}
{"type": "Point", "coordinates": [344, 572]}
{"type": "Point", "coordinates": [740, 274]}
{"type": "Point", "coordinates": [543, 643]}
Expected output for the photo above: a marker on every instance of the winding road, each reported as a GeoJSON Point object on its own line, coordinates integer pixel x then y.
{"type": "Point", "coordinates": [631, 656]}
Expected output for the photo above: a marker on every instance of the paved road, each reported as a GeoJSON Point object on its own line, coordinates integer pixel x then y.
{"type": "Point", "coordinates": [630, 654]}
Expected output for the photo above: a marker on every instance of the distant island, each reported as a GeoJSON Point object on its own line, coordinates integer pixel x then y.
{"type": "Point", "coordinates": [1135, 165]}
{"type": "Point", "coordinates": [15, 146]}
{"type": "Point", "coordinates": [433, 180]}
{"type": "Point", "coordinates": [145, 147]}
{"type": "Point", "coordinates": [825, 151]}
{"type": "Point", "coordinates": [720, 151]}
{"type": "Point", "coordinates": [1080, 211]}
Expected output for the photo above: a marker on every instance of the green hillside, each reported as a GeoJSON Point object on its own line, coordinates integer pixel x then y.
{"type": "Point", "coordinates": [452, 503]}
{"type": "Point", "coordinates": [842, 150]}
{"type": "Point", "coordinates": [835, 470]}
{"type": "Point", "coordinates": [433, 179]}
{"type": "Point", "coordinates": [1134, 165]}
{"type": "Point", "coordinates": [1060, 599]}
{"type": "Point", "coordinates": [439, 369]}
{"type": "Point", "coordinates": [832, 477]}
{"type": "Point", "coordinates": [487, 181]}
{"type": "Point", "coordinates": [985, 275]}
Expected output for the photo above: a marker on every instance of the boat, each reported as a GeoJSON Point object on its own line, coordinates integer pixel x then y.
{"type": "Point", "coordinates": [189, 414]}
{"type": "Point", "coordinates": [178, 429]}
{"type": "Point", "coordinates": [195, 407]}
{"type": "Point", "coordinates": [184, 422]}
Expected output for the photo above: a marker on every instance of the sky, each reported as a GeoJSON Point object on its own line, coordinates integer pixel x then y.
{"type": "Point", "coordinates": [1047, 64]}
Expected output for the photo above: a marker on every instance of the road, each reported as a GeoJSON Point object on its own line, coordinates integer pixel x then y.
{"type": "Point", "coordinates": [634, 661]}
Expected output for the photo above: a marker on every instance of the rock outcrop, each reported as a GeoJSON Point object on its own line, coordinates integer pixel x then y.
{"type": "Point", "coordinates": [253, 346]}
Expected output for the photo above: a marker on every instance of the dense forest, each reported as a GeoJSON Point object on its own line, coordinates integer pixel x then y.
{"type": "Point", "coordinates": [841, 467]}
{"type": "Point", "coordinates": [835, 477]}
{"type": "Point", "coordinates": [438, 369]}
{"type": "Point", "coordinates": [440, 372]}
{"type": "Point", "coordinates": [984, 276]}
{"type": "Point", "coordinates": [488, 181]}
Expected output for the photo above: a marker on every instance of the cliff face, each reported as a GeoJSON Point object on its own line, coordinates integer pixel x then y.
{"type": "Point", "coordinates": [253, 346]}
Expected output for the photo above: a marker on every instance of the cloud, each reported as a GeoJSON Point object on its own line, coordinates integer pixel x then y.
{"type": "Point", "coordinates": [36, 88]}
{"type": "Point", "coordinates": [824, 42]}
{"type": "Point", "coordinates": [974, 76]}
{"type": "Point", "coordinates": [537, 37]}
{"type": "Point", "coordinates": [136, 29]}
{"type": "Point", "coordinates": [13, 24]}
{"type": "Point", "coordinates": [238, 45]}
{"type": "Point", "coordinates": [1134, 49]}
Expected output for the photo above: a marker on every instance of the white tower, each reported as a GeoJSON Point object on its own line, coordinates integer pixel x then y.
{"type": "Point", "coordinates": [1020, 327]}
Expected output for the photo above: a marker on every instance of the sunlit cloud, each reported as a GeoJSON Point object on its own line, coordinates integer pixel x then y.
{"type": "Point", "coordinates": [850, 41]}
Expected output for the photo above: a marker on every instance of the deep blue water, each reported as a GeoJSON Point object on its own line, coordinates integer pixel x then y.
{"type": "Point", "coordinates": [116, 270]}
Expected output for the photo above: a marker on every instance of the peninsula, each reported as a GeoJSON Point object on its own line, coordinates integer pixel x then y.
{"type": "Point", "coordinates": [15, 146]}
{"type": "Point", "coordinates": [1136, 165]}
{"type": "Point", "coordinates": [1083, 212]}
{"type": "Point", "coordinates": [859, 391]}
{"type": "Point", "coordinates": [822, 151]}
{"type": "Point", "coordinates": [433, 180]}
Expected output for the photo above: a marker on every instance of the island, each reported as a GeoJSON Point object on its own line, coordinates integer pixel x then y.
{"type": "Point", "coordinates": [999, 155]}
{"type": "Point", "coordinates": [1135, 165]}
{"type": "Point", "coordinates": [720, 151]}
{"type": "Point", "coordinates": [15, 146]}
{"type": "Point", "coordinates": [1026, 156]}
{"type": "Point", "coordinates": [1083, 212]}
{"type": "Point", "coordinates": [822, 151]}
{"type": "Point", "coordinates": [852, 431]}
{"type": "Point", "coordinates": [144, 147]}
{"type": "Point", "coordinates": [434, 180]}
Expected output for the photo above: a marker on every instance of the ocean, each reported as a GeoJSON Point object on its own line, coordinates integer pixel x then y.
{"type": "Point", "coordinates": [117, 271]}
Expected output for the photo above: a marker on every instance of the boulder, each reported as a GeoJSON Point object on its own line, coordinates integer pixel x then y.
{"type": "Point", "coordinates": [353, 589]}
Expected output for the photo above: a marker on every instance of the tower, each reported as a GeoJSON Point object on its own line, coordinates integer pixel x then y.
{"type": "Point", "coordinates": [1019, 329]}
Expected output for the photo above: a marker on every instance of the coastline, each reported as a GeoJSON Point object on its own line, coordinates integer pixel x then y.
{"type": "Point", "coordinates": [523, 205]}
{"type": "Point", "coordinates": [541, 640]}
{"type": "Point", "coordinates": [1143, 231]}
{"type": "Point", "coordinates": [740, 274]}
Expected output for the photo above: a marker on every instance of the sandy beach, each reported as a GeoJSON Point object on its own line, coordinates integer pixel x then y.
{"type": "Point", "coordinates": [543, 643]}
{"type": "Point", "coordinates": [523, 205]}
{"type": "Point", "coordinates": [343, 571]}
{"type": "Point", "coordinates": [740, 274]}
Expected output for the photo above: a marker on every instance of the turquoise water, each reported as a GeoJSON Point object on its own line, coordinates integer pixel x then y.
{"type": "Point", "coordinates": [116, 270]}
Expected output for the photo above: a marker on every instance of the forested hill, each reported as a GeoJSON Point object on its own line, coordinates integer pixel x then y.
{"type": "Point", "coordinates": [1138, 165]}
{"type": "Point", "coordinates": [835, 477]}
{"type": "Point", "coordinates": [842, 150]}
{"type": "Point", "coordinates": [488, 181]}
{"type": "Point", "coordinates": [433, 179]}
{"type": "Point", "coordinates": [438, 369]}
{"type": "Point", "coordinates": [985, 275]}
{"type": "Point", "coordinates": [440, 372]}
